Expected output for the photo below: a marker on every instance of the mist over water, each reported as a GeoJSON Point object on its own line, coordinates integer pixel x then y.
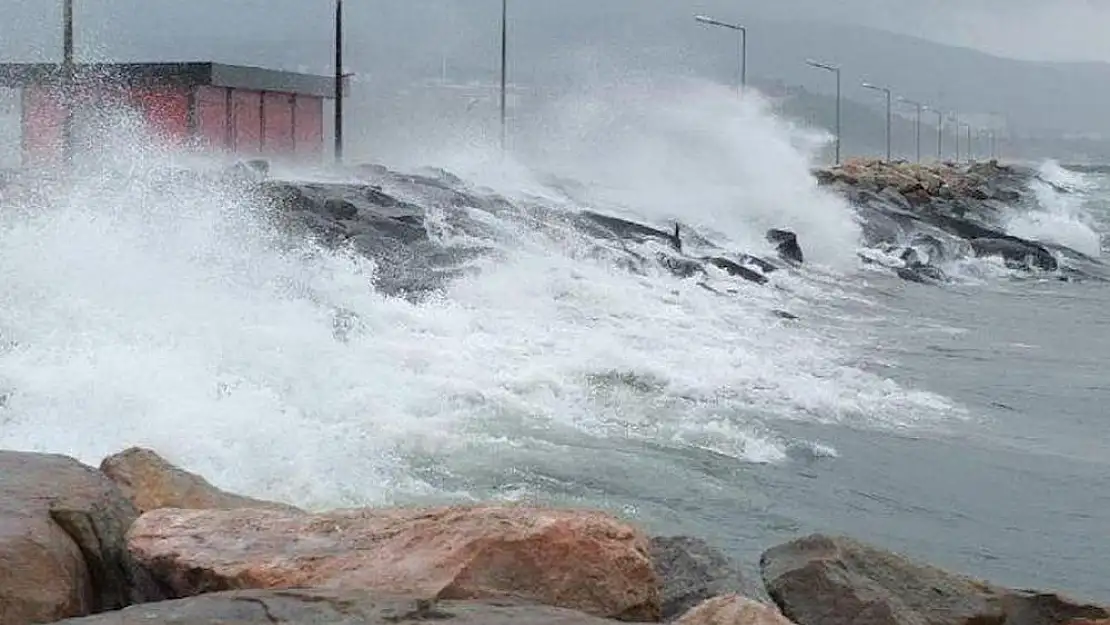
{"type": "Point", "coordinates": [141, 310]}
{"type": "Point", "coordinates": [653, 148]}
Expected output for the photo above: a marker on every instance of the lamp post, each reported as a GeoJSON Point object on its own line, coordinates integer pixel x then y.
{"type": "Point", "coordinates": [917, 140]}
{"type": "Point", "coordinates": [940, 131]}
{"type": "Point", "coordinates": [836, 70]}
{"type": "Point", "coordinates": [742, 44]}
{"type": "Point", "coordinates": [68, 72]}
{"type": "Point", "coordinates": [885, 90]}
{"type": "Point", "coordinates": [339, 81]}
{"type": "Point", "coordinates": [955, 119]}
{"type": "Point", "coordinates": [504, 69]}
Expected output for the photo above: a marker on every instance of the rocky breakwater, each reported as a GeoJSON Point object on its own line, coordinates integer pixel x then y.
{"type": "Point", "coordinates": [918, 218]}
{"type": "Point", "coordinates": [74, 549]}
{"type": "Point", "coordinates": [423, 229]}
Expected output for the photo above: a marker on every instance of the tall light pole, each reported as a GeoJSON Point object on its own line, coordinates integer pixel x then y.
{"type": "Point", "coordinates": [338, 81]}
{"type": "Point", "coordinates": [955, 119]}
{"type": "Point", "coordinates": [885, 90]}
{"type": "Point", "coordinates": [68, 73]}
{"type": "Point", "coordinates": [504, 68]}
{"type": "Point", "coordinates": [940, 131]}
{"type": "Point", "coordinates": [836, 70]}
{"type": "Point", "coordinates": [999, 122]}
{"type": "Point", "coordinates": [742, 44]}
{"type": "Point", "coordinates": [917, 141]}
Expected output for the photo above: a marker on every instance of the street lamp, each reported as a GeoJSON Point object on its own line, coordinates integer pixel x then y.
{"type": "Point", "coordinates": [742, 70]}
{"type": "Point", "coordinates": [955, 119]}
{"type": "Point", "coordinates": [970, 155]}
{"type": "Point", "coordinates": [940, 131]}
{"type": "Point", "coordinates": [885, 90]}
{"type": "Point", "coordinates": [836, 70]}
{"type": "Point", "coordinates": [339, 76]}
{"type": "Point", "coordinates": [504, 67]}
{"type": "Point", "coordinates": [917, 141]}
{"type": "Point", "coordinates": [68, 71]}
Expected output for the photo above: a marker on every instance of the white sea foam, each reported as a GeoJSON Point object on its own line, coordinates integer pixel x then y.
{"type": "Point", "coordinates": [141, 312]}
{"type": "Point", "coordinates": [1059, 217]}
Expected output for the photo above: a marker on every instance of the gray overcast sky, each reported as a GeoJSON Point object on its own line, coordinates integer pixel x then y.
{"type": "Point", "coordinates": [1030, 29]}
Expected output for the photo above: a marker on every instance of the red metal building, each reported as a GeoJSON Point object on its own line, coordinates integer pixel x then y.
{"type": "Point", "coordinates": [247, 111]}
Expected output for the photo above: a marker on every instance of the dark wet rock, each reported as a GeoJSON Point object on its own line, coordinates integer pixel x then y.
{"type": "Point", "coordinates": [825, 580]}
{"type": "Point", "coordinates": [782, 314]}
{"type": "Point", "coordinates": [922, 274]}
{"type": "Point", "coordinates": [896, 198]}
{"type": "Point", "coordinates": [1016, 252]}
{"type": "Point", "coordinates": [625, 229]}
{"type": "Point", "coordinates": [786, 243]}
{"type": "Point", "coordinates": [376, 224]}
{"type": "Point", "coordinates": [331, 607]}
{"type": "Point", "coordinates": [690, 572]}
{"type": "Point", "coordinates": [954, 205]}
{"type": "Point", "coordinates": [339, 208]}
{"type": "Point", "coordinates": [681, 267]}
{"type": "Point", "coordinates": [414, 225]}
{"type": "Point", "coordinates": [736, 269]}
{"type": "Point", "coordinates": [62, 542]}
{"type": "Point", "coordinates": [764, 265]}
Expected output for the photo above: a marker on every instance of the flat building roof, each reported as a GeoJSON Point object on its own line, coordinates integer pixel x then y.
{"type": "Point", "coordinates": [187, 74]}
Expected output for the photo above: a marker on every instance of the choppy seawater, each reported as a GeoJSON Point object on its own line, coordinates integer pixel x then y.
{"type": "Point", "coordinates": [963, 424]}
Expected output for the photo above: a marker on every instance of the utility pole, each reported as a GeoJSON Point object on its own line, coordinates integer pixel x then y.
{"type": "Point", "coordinates": [940, 132]}
{"type": "Point", "coordinates": [970, 145]}
{"type": "Point", "coordinates": [68, 77]}
{"type": "Point", "coordinates": [956, 121]}
{"type": "Point", "coordinates": [917, 126]}
{"type": "Point", "coordinates": [338, 81]}
{"type": "Point", "coordinates": [504, 69]}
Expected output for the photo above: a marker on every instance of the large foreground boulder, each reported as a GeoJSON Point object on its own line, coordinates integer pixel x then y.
{"type": "Point", "coordinates": [586, 561]}
{"type": "Point", "coordinates": [329, 607]}
{"type": "Point", "coordinates": [62, 541]}
{"type": "Point", "coordinates": [151, 483]}
{"type": "Point", "coordinates": [733, 610]}
{"type": "Point", "coordinates": [690, 571]}
{"type": "Point", "coordinates": [823, 580]}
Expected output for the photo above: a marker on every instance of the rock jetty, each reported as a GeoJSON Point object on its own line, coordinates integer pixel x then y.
{"type": "Point", "coordinates": [916, 220]}
{"type": "Point", "coordinates": [75, 549]}
{"type": "Point", "coordinates": [920, 217]}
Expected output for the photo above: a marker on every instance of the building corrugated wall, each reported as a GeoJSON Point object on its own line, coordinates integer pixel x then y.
{"type": "Point", "coordinates": [277, 123]}
{"type": "Point", "coordinates": [213, 123]}
{"type": "Point", "coordinates": [166, 112]}
{"type": "Point", "coordinates": [308, 135]}
{"type": "Point", "coordinates": [43, 118]}
{"type": "Point", "coordinates": [246, 122]}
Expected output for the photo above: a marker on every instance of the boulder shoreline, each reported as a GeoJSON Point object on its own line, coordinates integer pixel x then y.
{"type": "Point", "coordinates": [140, 540]}
{"type": "Point", "coordinates": [922, 215]}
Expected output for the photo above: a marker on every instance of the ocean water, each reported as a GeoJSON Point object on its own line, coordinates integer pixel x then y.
{"type": "Point", "coordinates": [961, 424]}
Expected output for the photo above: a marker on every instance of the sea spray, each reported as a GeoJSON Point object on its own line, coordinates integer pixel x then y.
{"type": "Point", "coordinates": [145, 309]}
{"type": "Point", "coordinates": [1061, 214]}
